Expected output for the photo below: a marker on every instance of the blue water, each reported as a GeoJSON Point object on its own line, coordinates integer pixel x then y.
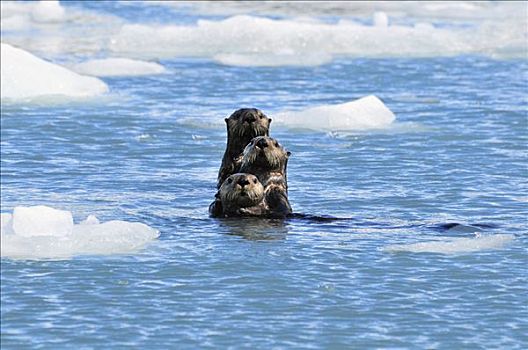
{"type": "Point", "coordinates": [150, 152]}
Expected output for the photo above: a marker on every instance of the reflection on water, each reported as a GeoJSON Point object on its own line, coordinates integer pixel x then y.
{"type": "Point", "coordinates": [256, 229]}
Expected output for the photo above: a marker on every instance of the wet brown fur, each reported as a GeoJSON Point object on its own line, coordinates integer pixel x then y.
{"type": "Point", "coordinates": [268, 160]}
{"type": "Point", "coordinates": [242, 126]}
{"type": "Point", "coordinates": [240, 195]}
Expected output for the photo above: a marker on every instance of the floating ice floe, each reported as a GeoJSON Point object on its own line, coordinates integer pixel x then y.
{"type": "Point", "coordinates": [48, 11]}
{"type": "Point", "coordinates": [42, 232]}
{"type": "Point", "coordinates": [241, 39]}
{"type": "Point", "coordinates": [380, 19]}
{"type": "Point", "coordinates": [25, 76]}
{"type": "Point", "coordinates": [365, 113]}
{"type": "Point", "coordinates": [467, 10]}
{"type": "Point", "coordinates": [410, 29]}
{"type": "Point", "coordinates": [110, 67]}
{"type": "Point", "coordinates": [50, 30]}
{"type": "Point", "coordinates": [454, 246]}
{"type": "Point", "coordinates": [272, 59]}
{"type": "Point", "coordinates": [41, 221]}
{"type": "Point", "coordinates": [22, 15]}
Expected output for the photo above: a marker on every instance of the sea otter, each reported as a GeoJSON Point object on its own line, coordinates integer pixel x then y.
{"type": "Point", "coordinates": [242, 126]}
{"type": "Point", "coordinates": [268, 160]}
{"type": "Point", "coordinates": [240, 195]}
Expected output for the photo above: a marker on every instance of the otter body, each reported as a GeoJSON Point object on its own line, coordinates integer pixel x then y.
{"type": "Point", "coordinates": [267, 160]}
{"type": "Point", "coordinates": [242, 126]}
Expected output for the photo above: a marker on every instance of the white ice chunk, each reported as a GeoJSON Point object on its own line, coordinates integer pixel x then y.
{"type": "Point", "coordinates": [240, 39]}
{"type": "Point", "coordinates": [48, 11]}
{"type": "Point", "coordinates": [424, 27]}
{"type": "Point", "coordinates": [45, 233]}
{"type": "Point", "coordinates": [118, 67]}
{"type": "Point", "coordinates": [273, 59]}
{"type": "Point", "coordinates": [490, 28]}
{"type": "Point", "coordinates": [42, 221]}
{"type": "Point", "coordinates": [90, 220]}
{"type": "Point", "coordinates": [15, 23]}
{"type": "Point", "coordinates": [112, 237]}
{"type": "Point", "coordinates": [454, 246]}
{"type": "Point", "coordinates": [6, 224]}
{"type": "Point", "coordinates": [381, 19]}
{"type": "Point", "coordinates": [24, 75]}
{"type": "Point", "coordinates": [365, 113]}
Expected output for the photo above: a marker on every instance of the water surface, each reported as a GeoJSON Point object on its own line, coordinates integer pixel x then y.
{"type": "Point", "coordinates": [150, 152]}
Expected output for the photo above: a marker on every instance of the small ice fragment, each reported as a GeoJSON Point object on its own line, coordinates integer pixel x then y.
{"type": "Point", "coordinates": [454, 246]}
{"type": "Point", "coordinates": [113, 67]}
{"type": "Point", "coordinates": [6, 224]}
{"type": "Point", "coordinates": [273, 59]}
{"type": "Point", "coordinates": [143, 137]}
{"type": "Point", "coordinates": [90, 220]}
{"type": "Point", "coordinates": [424, 26]}
{"type": "Point", "coordinates": [381, 19]}
{"type": "Point", "coordinates": [48, 11]}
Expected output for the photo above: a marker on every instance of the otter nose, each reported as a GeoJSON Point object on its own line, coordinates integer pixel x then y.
{"type": "Point", "coordinates": [262, 143]}
{"type": "Point", "coordinates": [250, 118]}
{"type": "Point", "coordinates": [243, 182]}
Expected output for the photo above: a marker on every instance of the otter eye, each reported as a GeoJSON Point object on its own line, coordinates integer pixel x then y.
{"type": "Point", "coordinates": [229, 181]}
{"type": "Point", "coordinates": [254, 181]}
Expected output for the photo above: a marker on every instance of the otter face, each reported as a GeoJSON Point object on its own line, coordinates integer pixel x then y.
{"type": "Point", "coordinates": [248, 123]}
{"type": "Point", "coordinates": [241, 190]}
{"type": "Point", "coordinates": [264, 151]}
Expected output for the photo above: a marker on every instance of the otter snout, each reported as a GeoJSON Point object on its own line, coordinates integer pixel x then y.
{"type": "Point", "coordinates": [250, 119]}
{"type": "Point", "coordinates": [243, 182]}
{"type": "Point", "coordinates": [262, 143]}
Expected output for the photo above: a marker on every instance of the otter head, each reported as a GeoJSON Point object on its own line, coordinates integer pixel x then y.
{"type": "Point", "coordinates": [241, 191]}
{"type": "Point", "coordinates": [247, 123]}
{"type": "Point", "coordinates": [265, 151]}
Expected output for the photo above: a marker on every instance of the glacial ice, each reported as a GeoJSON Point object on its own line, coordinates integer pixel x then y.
{"type": "Point", "coordinates": [380, 19]}
{"type": "Point", "coordinates": [25, 76]}
{"type": "Point", "coordinates": [48, 11]}
{"type": "Point", "coordinates": [365, 113]}
{"type": "Point", "coordinates": [237, 38]}
{"type": "Point", "coordinates": [367, 29]}
{"type": "Point", "coordinates": [41, 221]}
{"type": "Point", "coordinates": [6, 224]}
{"type": "Point", "coordinates": [454, 246]}
{"type": "Point", "coordinates": [110, 67]}
{"type": "Point", "coordinates": [273, 59]}
{"type": "Point", "coordinates": [42, 232]}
